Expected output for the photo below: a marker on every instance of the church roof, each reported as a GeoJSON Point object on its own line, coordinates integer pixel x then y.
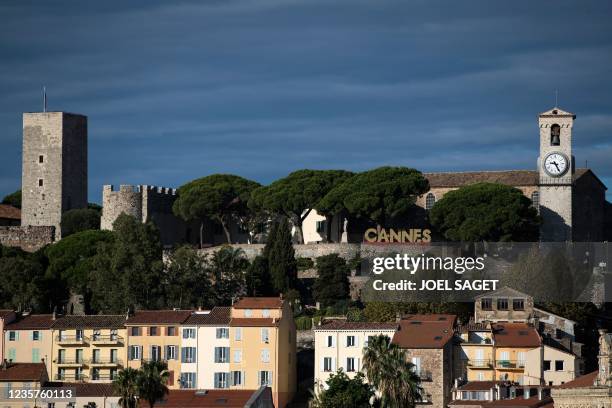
{"type": "Point", "coordinates": [504, 291]}
{"type": "Point", "coordinates": [10, 212]}
{"type": "Point", "coordinates": [556, 112]}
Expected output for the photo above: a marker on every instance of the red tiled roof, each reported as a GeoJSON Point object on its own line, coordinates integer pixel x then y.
{"type": "Point", "coordinates": [532, 402]}
{"type": "Point", "coordinates": [425, 331]}
{"type": "Point", "coordinates": [6, 313]}
{"type": "Point", "coordinates": [32, 322]}
{"type": "Point", "coordinates": [86, 389]}
{"type": "Point", "coordinates": [259, 303]}
{"type": "Point", "coordinates": [479, 385]}
{"type": "Point", "coordinates": [254, 322]}
{"type": "Point", "coordinates": [23, 372]}
{"type": "Point", "coordinates": [583, 381]}
{"type": "Point", "coordinates": [507, 177]}
{"type": "Point", "coordinates": [344, 325]}
{"type": "Point", "coordinates": [218, 316]}
{"type": "Point", "coordinates": [10, 212]}
{"type": "Point", "coordinates": [204, 399]}
{"type": "Point", "coordinates": [515, 335]}
{"type": "Point", "coordinates": [158, 317]}
{"type": "Point", "coordinates": [89, 322]}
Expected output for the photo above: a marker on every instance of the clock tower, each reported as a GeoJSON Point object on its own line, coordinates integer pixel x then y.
{"type": "Point", "coordinates": [556, 170]}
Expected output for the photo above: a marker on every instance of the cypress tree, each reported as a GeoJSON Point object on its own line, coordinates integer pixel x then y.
{"type": "Point", "coordinates": [281, 259]}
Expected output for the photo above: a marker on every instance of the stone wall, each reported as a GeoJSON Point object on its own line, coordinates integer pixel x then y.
{"type": "Point", "coordinates": [127, 200]}
{"type": "Point", "coordinates": [29, 239]}
{"type": "Point", "coordinates": [436, 366]}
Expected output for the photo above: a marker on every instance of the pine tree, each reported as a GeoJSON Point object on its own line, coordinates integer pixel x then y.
{"type": "Point", "coordinates": [281, 259]}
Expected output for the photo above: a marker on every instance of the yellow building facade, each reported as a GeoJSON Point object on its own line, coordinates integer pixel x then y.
{"type": "Point", "coordinates": [29, 339]}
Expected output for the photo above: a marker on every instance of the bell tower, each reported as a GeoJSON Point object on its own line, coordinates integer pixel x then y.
{"type": "Point", "coordinates": [556, 170]}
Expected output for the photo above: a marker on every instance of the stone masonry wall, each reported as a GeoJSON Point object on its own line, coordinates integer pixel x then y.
{"type": "Point", "coordinates": [30, 238]}
{"type": "Point", "coordinates": [127, 200]}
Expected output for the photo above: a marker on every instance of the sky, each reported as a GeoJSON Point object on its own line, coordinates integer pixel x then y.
{"type": "Point", "coordinates": [177, 90]}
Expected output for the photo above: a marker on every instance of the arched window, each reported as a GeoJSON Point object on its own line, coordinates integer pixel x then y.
{"type": "Point", "coordinates": [555, 135]}
{"type": "Point", "coordinates": [430, 200]}
{"type": "Point", "coordinates": [535, 200]}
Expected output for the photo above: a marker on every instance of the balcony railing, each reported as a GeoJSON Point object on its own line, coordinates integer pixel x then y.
{"type": "Point", "coordinates": [480, 363]}
{"type": "Point", "coordinates": [70, 377]}
{"type": "Point", "coordinates": [105, 361]}
{"type": "Point", "coordinates": [70, 361]}
{"type": "Point", "coordinates": [103, 377]}
{"type": "Point", "coordinates": [63, 339]}
{"type": "Point", "coordinates": [510, 364]}
{"type": "Point", "coordinates": [106, 339]}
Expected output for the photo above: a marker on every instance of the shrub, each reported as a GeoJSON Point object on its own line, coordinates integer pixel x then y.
{"type": "Point", "coordinates": [303, 323]}
{"type": "Point", "coordinates": [304, 264]}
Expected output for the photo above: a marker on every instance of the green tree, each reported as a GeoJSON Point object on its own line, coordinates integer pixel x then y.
{"type": "Point", "coordinates": [188, 279]}
{"type": "Point", "coordinates": [128, 271]}
{"type": "Point", "coordinates": [258, 280]}
{"type": "Point", "coordinates": [297, 194]}
{"type": "Point", "coordinates": [228, 267]}
{"type": "Point", "coordinates": [376, 195]}
{"type": "Point", "coordinates": [485, 212]}
{"type": "Point", "coordinates": [79, 219]}
{"type": "Point", "coordinates": [125, 385]}
{"type": "Point", "coordinates": [21, 283]}
{"type": "Point", "coordinates": [390, 373]}
{"type": "Point", "coordinates": [222, 198]}
{"type": "Point", "coordinates": [380, 312]}
{"type": "Point", "coordinates": [344, 392]}
{"type": "Point", "coordinates": [332, 282]}
{"type": "Point", "coordinates": [71, 261]}
{"type": "Point", "coordinates": [13, 199]}
{"type": "Point", "coordinates": [281, 259]}
{"type": "Point", "coordinates": [152, 382]}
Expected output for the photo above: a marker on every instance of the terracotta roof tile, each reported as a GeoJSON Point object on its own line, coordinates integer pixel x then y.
{"type": "Point", "coordinates": [425, 331]}
{"type": "Point", "coordinates": [259, 303]}
{"type": "Point", "coordinates": [507, 177]}
{"type": "Point", "coordinates": [204, 399]}
{"type": "Point", "coordinates": [5, 314]}
{"type": "Point", "coordinates": [532, 402]}
{"type": "Point", "coordinates": [479, 385]}
{"type": "Point", "coordinates": [344, 325]}
{"type": "Point", "coordinates": [32, 322]}
{"type": "Point", "coordinates": [583, 381]}
{"type": "Point", "coordinates": [86, 389]}
{"type": "Point", "coordinates": [515, 335]}
{"type": "Point", "coordinates": [254, 322]}
{"type": "Point", "coordinates": [23, 372]}
{"type": "Point", "coordinates": [158, 317]}
{"type": "Point", "coordinates": [10, 212]}
{"type": "Point", "coordinates": [218, 316]}
{"type": "Point", "coordinates": [90, 322]}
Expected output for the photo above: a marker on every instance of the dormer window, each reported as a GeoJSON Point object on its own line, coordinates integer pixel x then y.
{"type": "Point", "coordinates": [555, 135]}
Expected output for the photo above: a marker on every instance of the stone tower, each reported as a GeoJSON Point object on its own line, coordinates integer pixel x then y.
{"type": "Point", "coordinates": [604, 376]}
{"type": "Point", "coordinates": [54, 168]}
{"type": "Point", "coordinates": [556, 171]}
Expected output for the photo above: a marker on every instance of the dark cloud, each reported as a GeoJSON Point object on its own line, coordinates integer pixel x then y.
{"type": "Point", "coordinates": [177, 90]}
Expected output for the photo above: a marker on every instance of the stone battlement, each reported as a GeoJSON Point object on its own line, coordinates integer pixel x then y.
{"type": "Point", "coordinates": [138, 188]}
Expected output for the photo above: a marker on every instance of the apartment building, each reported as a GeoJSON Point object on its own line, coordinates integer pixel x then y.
{"type": "Point", "coordinates": [475, 353]}
{"type": "Point", "coordinates": [29, 339]}
{"type": "Point", "coordinates": [6, 317]}
{"type": "Point", "coordinates": [554, 366]}
{"type": "Point", "coordinates": [427, 340]}
{"type": "Point", "coordinates": [154, 335]}
{"type": "Point", "coordinates": [209, 332]}
{"type": "Point", "coordinates": [20, 376]}
{"type": "Point", "coordinates": [263, 347]}
{"type": "Point", "coordinates": [339, 345]}
{"type": "Point", "coordinates": [88, 348]}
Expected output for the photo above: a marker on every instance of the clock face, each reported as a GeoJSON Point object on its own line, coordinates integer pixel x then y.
{"type": "Point", "coordinates": [556, 164]}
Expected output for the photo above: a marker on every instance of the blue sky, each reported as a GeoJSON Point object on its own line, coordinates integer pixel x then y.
{"type": "Point", "coordinates": [176, 90]}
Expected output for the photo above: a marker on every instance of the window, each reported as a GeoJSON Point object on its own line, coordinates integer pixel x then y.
{"type": "Point", "coordinates": [188, 354]}
{"type": "Point", "coordinates": [35, 355]}
{"type": "Point", "coordinates": [430, 200]}
{"type": "Point", "coordinates": [13, 336]}
{"type": "Point", "coordinates": [238, 334]}
{"type": "Point", "coordinates": [331, 341]}
{"type": "Point", "coordinates": [153, 331]}
{"type": "Point", "coordinates": [265, 356]}
{"type": "Point", "coordinates": [368, 340]}
{"type": "Point", "coordinates": [96, 356]}
{"type": "Point", "coordinates": [350, 341]}
{"type": "Point", "coordinates": [79, 334]}
{"type": "Point", "coordinates": [265, 378]}
{"type": "Point", "coordinates": [236, 377]}
{"type": "Point", "coordinates": [558, 365]}
{"type": "Point", "coordinates": [135, 353]}
{"type": "Point", "coordinates": [113, 334]}
{"type": "Point", "coordinates": [328, 364]}
{"type": "Point", "coordinates": [155, 353]}
{"type": "Point", "coordinates": [518, 304]}
{"type": "Point", "coordinates": [170, 352]}
{"type": "Point", "coordinates": [221, 354]}
{"type": "Point", "coordinates": [321, 227]}
{"type": "Point", "coordinates": [486, 304]}
{"type": "Point", "coordinates": [40, 182]}
{"type": "Point", "coordinates": [223, 333]}
{"type": "Point", "coordinates": [95, 335]}
{"type": "Point", "coordinates": [237, 356]}
{"type": "Point", "coordinates": [189, 333]}
{"type": "Point", "coordinates": [350, 365]}
{"type": "Point", "coordinates": [265, 313]}
{"type": "Point", "coordinates": [265, 336]}
{"type": "Point", "coordinates": [502, 304]}
{"type": "Point", "coordinates": [135, 331]}
{"type": "Point", "coordinates": [535, 200]}
{"type": "Point", "coordinates": [221, 380]}
{"type": "Point", "coordinates": [546, 365]}
{"type": "Point", "coordinates": [188, 380]}
{"type": "Point", "coordinates": [555, 135]}
{"type": "Point", "coordinates": [113, 356]}
{"type": "Point", "coordinates": [35, 335]}
{"type": "Point", "coordinates": [171, 331]}
{"type": "Point", "coordinates": [248, 313]}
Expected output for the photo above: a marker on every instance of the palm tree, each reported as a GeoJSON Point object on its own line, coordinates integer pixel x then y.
{"type": "Point", "coordinates": [390, 372]}
{"type": "Point", "coordinates": [125, 386]}
{"type": "Point", "coordinates": [151, 381]}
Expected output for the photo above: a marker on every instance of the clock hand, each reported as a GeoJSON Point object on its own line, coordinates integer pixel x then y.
{"type": "Point", "coordinates": [556, 165]}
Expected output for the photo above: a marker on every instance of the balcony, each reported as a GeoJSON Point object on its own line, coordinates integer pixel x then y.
{"type": "Point", "coordinates": [105, 362]}
{"type": "Point", "coordinates": [71, 340]}
{"type": "Point", "coordinates": [509, 365]}
{"type": "Point", "coordinates": [424, 375]}
{"type": "Point", "coordinates": [103, 377]}
{"type": "Point", "coordinates": [70, 377]}
{"type": "Point", "coordinates": [480, 364]}
{"type": "Point", "coordinates": [106, 340]}
{"type": "Point", "coordinates": [70, 362]}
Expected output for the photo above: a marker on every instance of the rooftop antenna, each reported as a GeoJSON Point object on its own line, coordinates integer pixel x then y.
{"type": "Point", "coordinates": [44, 98]}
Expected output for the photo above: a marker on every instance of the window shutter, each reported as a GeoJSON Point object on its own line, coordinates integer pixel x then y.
{"type": "Point", "coordinates": [357, 362]}
{"type": "Point", "coordinates": [334, 341]}
{"type": "Point", "coordinates": [333, 364]}
{"type": "Point", "coordinates": [170, 377]}
{"type": "Point", "coordinates": [356, 341]}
